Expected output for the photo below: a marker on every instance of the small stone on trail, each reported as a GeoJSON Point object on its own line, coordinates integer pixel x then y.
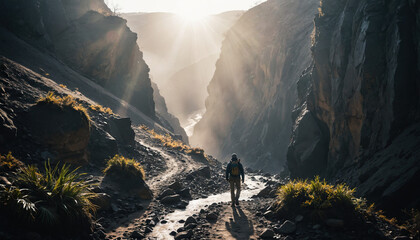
{"type": "Point", "coordinates": [184, 235]}
{"type": "Point", "coordinates": [332, 222]}
{"type": "Point", "coordinates": [298, 218]}
{"type": "Point", "coordinates": [287, 227]}
{"type": "Point", "coordinates": [136, 234]}
{"type": "Point", "coordinates": [211, 217]}
{"type": "Point", "coordinates": [190, 220]}
{"type": "Point", "coordinates": [172, 199]}
{"type": "Point", "coordinates": [267, 234]}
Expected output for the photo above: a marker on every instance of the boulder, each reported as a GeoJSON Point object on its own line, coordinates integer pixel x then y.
{"type": "Point", "coordinates": [165, 193]}
{"type": "Point", "coordinates": [265, 193]}
{"type": "Point", "coordinates": [120, 129]}
{"type": "Point", "coordinates": [185, 193]}
{"type": "Point", "coordinates": [204, 172]}
{"type": "Point", "coordinates": [184, 235]}
{"type": "Point", "coordinates": [171, 199]}
{"type": "Point", "coordinates": [176, 186]}
{"type": "Point", "coordinates": [102, 146]}
{"type": "Point", "coordinates": [335, 223]}
{"type": "Point", "coordinates": [211, 217]}
{"type": "Point", "coordinates": [267, 234]}
{"type": "Point", "coordinates": [287, 227]}
{"type": "Point", "coordinates": [102, 201]}
{"type": "Point", "coordinates": [190, 220]}
{"type": "Point", "coordinates": [8, 130]}
{"type": "Point", "coordinates": [63, 129]}
{"type": "Point", "coordinates": [133, 186]}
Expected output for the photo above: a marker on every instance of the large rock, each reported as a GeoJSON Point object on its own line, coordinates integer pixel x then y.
{"type": "Point", "coordinates": [8, 130]}
{"type": "Point", "coordinates": [63, 129]}
{"type": "Point", "coordinates": [165, 193]}
{"type": "Point", "coordinates": [102, 201]}
{"type": "Point", "coordinates": [201, 172]}
{"type": "Point", "coordinates": [120, 129]}
{"type": "Point", "coordinates": [287, 227]}
{"type": "Point", "coordinates": [171, 199]}
{"type": "Point", "coordinates": [102, 146]}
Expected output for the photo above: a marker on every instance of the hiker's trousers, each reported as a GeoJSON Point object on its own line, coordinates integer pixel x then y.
{"type": "Point", "coordinates": [235, 183]}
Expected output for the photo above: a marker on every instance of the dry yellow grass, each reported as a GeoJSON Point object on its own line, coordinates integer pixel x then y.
{"type": "Point", "coordinates": [99, 108]}
{"type": "Point", "coordinates": [169, 142]}
{"type": "Point", "coordinates": [66, 101]}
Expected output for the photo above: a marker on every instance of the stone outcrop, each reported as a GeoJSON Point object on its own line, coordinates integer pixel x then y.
{"type": "Point", "coordinates": [252, 93]}
{"type": "Point", "coordinates": [359, 99]}
{"type": "Point", "coordinates": [63, 129]}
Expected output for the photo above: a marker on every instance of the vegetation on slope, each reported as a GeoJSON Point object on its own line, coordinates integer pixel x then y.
{"type": "Point", "coordinates": [169, 142]}
{"type": "Point", "coordinates": [121, 166]}
{"type": "Point", "coordinates": [317, 199]}
{"type": "Point", "coordinates": [63, 102]}
{"type": "Point", "coordinates": [52, 201]}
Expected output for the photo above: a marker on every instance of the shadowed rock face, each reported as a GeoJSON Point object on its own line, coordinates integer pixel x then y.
{"type": "Point", "coordinates": [63, 129]}
{"type": "Point", "coordinates": [84, 35]}
{"type": "Point", "coordinates": [362, 94]}
{"type": "Point", "coordinates": [252, 93]}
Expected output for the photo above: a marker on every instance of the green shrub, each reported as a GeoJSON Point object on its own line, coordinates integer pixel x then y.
{"type": "Point", "coordinates": [9, 163]}
{"type": "Point", "coordinates": [119, 166]}
{"type": "Point", "coordinates": [316, 198]}
{"type": "Point", "coordinates": [51, 201]}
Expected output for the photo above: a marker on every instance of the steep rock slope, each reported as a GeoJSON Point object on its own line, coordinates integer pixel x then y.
{"type": "Point", "coordinates": [359, 99]}
{"type": "Point", "coordinates": [84, 35]}
{"type": "Point", "coordinates": [168, 120]}
{"type": "Point", "coordinates": [252, 93]}
{"type": "Point", "coordinates": [87, 38]}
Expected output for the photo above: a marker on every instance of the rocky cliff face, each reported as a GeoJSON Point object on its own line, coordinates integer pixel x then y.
{"type": "Point", "coordinates": [360, 98]}
{"type": "Point", "coordinates": [252, 93]}
{"type": "Point", "coordinates": [86, 36]}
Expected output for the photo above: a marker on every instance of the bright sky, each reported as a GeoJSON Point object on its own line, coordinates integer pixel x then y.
{"type": "Point", "coordinates": [197, 7]}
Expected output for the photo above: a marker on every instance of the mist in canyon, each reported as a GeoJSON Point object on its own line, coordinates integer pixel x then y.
{"type": "Point", "coordinates": [182, 55]}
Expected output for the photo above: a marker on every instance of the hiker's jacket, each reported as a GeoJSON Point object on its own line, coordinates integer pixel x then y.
{"type": "Point", "coordinates": [229, 170]}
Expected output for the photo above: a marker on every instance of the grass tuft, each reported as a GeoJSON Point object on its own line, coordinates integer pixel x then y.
{"type": "Point", "coordinates": [121, 166]}
{"type": "Point", "coordinates": [49, 201]}
{"type": "Point", "coordinates": [169, 142]}
{"type": "Point", "coordinates": [316, 198]}
{"type": "Point", "coordinates": [66, 101]}
{"type": "Point", "coordinates": [9, 163]}
{"type": "Point", "coordinates": [99, 108]}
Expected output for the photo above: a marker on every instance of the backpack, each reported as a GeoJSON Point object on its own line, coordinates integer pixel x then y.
{"type": "Point", "coordinates": [234, 169]}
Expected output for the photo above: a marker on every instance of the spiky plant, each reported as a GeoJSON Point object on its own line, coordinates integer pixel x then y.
{"type": "Point", "coordinates": [49, 201]}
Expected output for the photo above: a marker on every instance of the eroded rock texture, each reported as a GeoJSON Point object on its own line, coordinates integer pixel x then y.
{"type": "Point", "coordinates": [359, 97]}
{"type": "Point", "coordinates": [252, 93]}
{"type": "Point", "coordinates": [86, 36]}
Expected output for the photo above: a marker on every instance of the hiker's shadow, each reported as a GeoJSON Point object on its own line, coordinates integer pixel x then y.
{"type": "Point", "coordinates": [240, 227]}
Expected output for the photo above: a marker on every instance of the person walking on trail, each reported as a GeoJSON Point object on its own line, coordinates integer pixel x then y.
{"type": "Point", "coordinates": [234, 171]}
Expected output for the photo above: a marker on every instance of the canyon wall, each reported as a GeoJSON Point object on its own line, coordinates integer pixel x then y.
{"type": "Point", "coordinates": [252, 93]}
{"type": "Point", "coordinates": [358, 108]}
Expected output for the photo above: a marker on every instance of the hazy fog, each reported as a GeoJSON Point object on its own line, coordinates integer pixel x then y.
{"type": "Point", "coordinates": [181, 55]}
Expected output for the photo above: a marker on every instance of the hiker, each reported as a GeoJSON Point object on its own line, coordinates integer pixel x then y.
{"type": "Point", "coordinates": [233, 172]}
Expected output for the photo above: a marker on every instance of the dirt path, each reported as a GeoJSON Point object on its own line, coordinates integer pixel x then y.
{"type": "Point", "coordinates": [235, 223]}
{"type": "Point", "coordinates": [174, 167]}
{"type": "Point", "coordinates": [176, 164]}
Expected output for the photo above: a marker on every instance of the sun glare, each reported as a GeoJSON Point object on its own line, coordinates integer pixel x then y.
{"type": "Point", "coordinates": [191, 15]}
